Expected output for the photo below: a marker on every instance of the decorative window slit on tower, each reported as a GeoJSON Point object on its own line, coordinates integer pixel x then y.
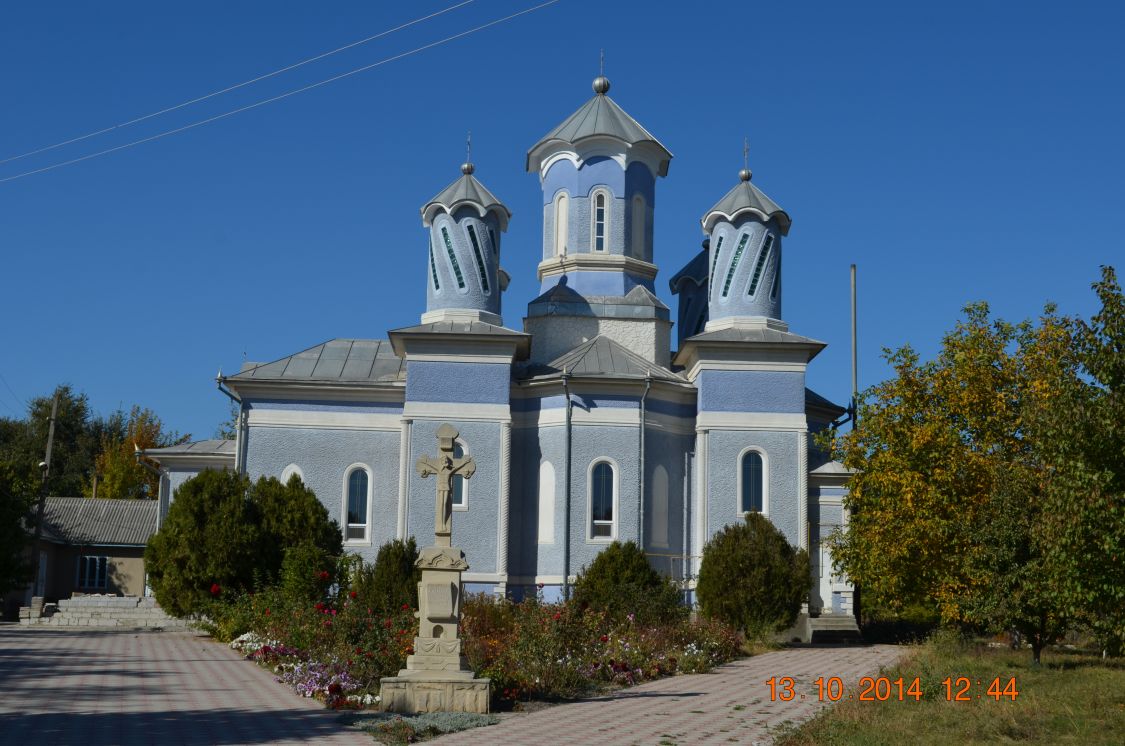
{"type": "Point", "coordinates": [734, 263]}
{"type": "Point", "coordinates": [760, 265]}
{"type": "Point", "coordinates": [433, 270]}
{"type": "Point", "coordinates": [453, 258]}
{"type": "Point", "coordinates": [480, 259]}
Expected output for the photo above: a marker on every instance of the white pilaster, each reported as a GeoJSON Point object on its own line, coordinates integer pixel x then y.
{"type": "Point", "coordinates": [403, 476]}
{"type": "Point", "coordinates": [505, 488]}
{"type": "Point", "coordinates": [803, 489]}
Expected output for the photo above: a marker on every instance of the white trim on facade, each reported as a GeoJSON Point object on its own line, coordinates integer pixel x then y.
{"type": "Point", "coordinates": [616, 521]}
{"type": "Point", "coordinates": [751, 421]}
{"type": "Point", "coordinates": [464, 412]}
{"type": "Point", "coordinates": [765, 480]}
{"type": "Point", "coordinates": [289, 471]}
{"type": "Point", "coordinates": [605, 417]}
{"type": "Point", "coordinates": [325, 420]}
{"type": "Point", "coordinates": [561, 207]}
{"type": "Point", "coordinates": [502, 513]}
{"type": "Point", "coordinates": [803, 489]}
{"type": "Point", "coordinates": [345, 497]}
{"type": "Point", "coordinates": [607, 198]}
{"type": "Point", "coordinates": [403, 477]}
{"type": "Point", "coordinates": [463, 506]}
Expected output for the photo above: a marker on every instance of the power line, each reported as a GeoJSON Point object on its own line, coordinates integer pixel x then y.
{"type": "Point", "coordinates": [294, 92]}
{"type": "Point", "coordinates": [236, 86]}
{"type": "Point", "coordinates": [13, 393]}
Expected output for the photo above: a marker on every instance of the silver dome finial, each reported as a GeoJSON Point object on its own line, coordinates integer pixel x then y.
{"type": "Point", "coordinates": [467, 168]}
{"type": "Point", "coordinates": [745, 174]}
{"type": "Point", "coordinates": [601, 85]}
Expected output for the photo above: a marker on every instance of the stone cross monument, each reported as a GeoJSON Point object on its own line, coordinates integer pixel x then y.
{"type": "Point", "coordinates": [437, 677]}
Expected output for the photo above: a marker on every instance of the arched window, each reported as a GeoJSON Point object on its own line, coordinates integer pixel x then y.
{"type": "Point", "coordinates": [460, 486]}
{"type": "Point", "coordinates": [752, 483]}
{"type": "Point", "coordinates": [639, 226]}
{"type": "Point", "coordinates": [357, 486]}
{"type": "Point", "coordinates": [603, 494]}
{"type": "Point", "coordinates": [289, 471]}
{"type": "Point", "coordinates": [546, 503]}
{"type": "Point", "coordinates": [562, 218]}
{"type": "Point", "coordinates": [600, 211]}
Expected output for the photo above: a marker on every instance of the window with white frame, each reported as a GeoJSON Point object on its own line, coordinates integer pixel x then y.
{"type": "Point", "coordinates": [93, 571]}
{"type": "Point", "coordinates": [289, 471]}
{"type": "Point", "coordinates": [752, 482]}
{"type": "Point", "coordinates": [357, 485]}
{"type": "Point", "coordinates": [600, 210]}
{"type": "Point", "coordinates": [603, 493]}
{"type": "Point", "coordinates": [562, 218]}
{"type": "Point", "coordinates": [460, 486]}
{"type": "Point", "coordinates": [639, 226]}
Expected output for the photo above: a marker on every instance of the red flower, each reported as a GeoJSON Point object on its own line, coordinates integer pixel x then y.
{"type": "Point", "coordinates": [353, 594]}
{"type": "Point", "coordinates": [558, 615]}
{"type": "Point", "coordinates": [320, 606]}
{"type": "Point", "coordinates": [605, 638]}
{"type": "Point", "coordinates": [387, 623]}
{"type": "Point", "coordinates": [406, 607]}
{"type": "Point", "coordinates": [216, 589]}
{"type": "Point", "coordinates": [333, 612]}
{"type": "Point", "coordinates": [267, 612]}
{"type": "Point", "coordinates": [324, 575]}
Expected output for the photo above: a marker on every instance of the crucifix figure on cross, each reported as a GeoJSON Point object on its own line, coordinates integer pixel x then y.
{"type": "Point", "coordinates": [445, 466]}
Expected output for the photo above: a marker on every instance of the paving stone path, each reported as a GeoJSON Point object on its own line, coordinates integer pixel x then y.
{"type": "Point", "coordinates": [729, 705]}
{"type": "Point", "coordinates": [95, 687]}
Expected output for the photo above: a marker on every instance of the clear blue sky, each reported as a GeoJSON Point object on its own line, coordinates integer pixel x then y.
{"type": "Point", "coordinates": [955, 152]}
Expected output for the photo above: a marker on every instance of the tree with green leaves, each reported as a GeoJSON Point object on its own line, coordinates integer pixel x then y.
{"type": "Point", "coordinates": [226, 533]}
{"type": "Point", "coordinates": [752, 578]}
{"type": "Point", "coordinates": [118, 472]}
{"type": "Point", "coordinates": [16, 502]}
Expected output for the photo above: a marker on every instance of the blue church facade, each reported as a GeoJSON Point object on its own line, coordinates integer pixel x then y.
{"type": "Point", "coordinates": [586, 425]}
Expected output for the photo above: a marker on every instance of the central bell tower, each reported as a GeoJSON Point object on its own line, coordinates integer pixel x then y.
{"type": "Point", "coordinates": [598, 172]}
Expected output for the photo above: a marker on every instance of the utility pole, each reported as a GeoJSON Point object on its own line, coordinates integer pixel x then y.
{"type": "Point", "coordinates": [46, 467]}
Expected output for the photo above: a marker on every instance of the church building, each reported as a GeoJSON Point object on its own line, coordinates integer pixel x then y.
{"type": "Point", "coordinates": [585, 424]}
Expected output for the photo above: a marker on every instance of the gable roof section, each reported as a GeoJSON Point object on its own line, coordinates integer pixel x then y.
{"type": "Point", "coordinates": [601, 357]}
{"type": "Point", "coordinates": [96, 522]}
{"type": "Point", "coordinates": [337, 360]}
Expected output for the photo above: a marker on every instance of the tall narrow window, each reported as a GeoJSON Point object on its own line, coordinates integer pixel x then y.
{"type": "Point", "coordinates": [460, 488]}
{"type": "Point", "coordinates": [492, 240]}
{"type": "Point", "coordinates": [760, 265]}
{"type": "Point", "coordinates": [562, 217]}
{"type": "Point", "coordinates": [659, 515]}
{"type": "Point", "coordinates": [714, 263]}
{"type": "Point", "coordinates": [599, 221]}
{"type": "Point", "coordinates": [453, 258]}
{"type": "Point", "coordinates": [776, 280]}
{"type": "Point", "coordinates": [639, 214]}
{"type": "Point", "coordinates": [601, 501]}
{"type": "Point", "coordinates": [752, 482]}
{"type": "Point", "coordinates": [546, 503]}
{"type": "Point", "coordinates": [480, 259]}
{"type": "Point", "coordinates": [358, 485]}
{"type": "Point", "coordinates": [734, 262]}
{"type": "Point", "coordinates": [433, 269]}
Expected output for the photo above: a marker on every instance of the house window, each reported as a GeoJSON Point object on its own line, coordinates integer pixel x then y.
{"type": "Point", "coordinates": [562, 216]}
{"type": "Point", "coordinates": [358, 483]}
{"type": "Point", "coordinates": [714, 263]}
{"type": "Point", "coordinates": [760, 265]}
{"type": "Point", "coordinates": [752, 483]}
{"type": "Point", "coordinates": [92, 571]}
{"type": "Point", "coordinates": [639, 226]}
{"type": "Point", "coordinates": [290, 471]}
{"type": "Point", "coordinates": [460, 485]}
{"type": "Point", "coordinates": [433, 270]}
{"type": "Point", "coordinates": [480, 259]}
{"type": "Point", "coordinates": [734, 262]}
{"type": "Point", "coordinates": [602, 498]}
{"type": "Point", "coordinates": [601, 211]}
{"type": "Point", "coordinates": [453, 258]}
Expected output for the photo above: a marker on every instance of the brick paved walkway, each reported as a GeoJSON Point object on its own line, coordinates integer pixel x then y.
{"type": "Point", "coordinates": [95, 687]}
{"type": "Point", "coordinates": [701, 709]}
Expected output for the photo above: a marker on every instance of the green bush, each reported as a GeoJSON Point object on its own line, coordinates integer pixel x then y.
{"type": "Point", "coordinates": [225, 534]}
{"type": "Point", "coordinates": [393, 580]}
{"type": "Point", "coordinates": [752, 579]}
{"type": "Point", "coordinates": [307, 571]}
{"type": "Point", "coordinates": [620, 582]}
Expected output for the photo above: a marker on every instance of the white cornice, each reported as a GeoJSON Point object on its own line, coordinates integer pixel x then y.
{"type": "Point", "coordinates": [460, 412]}
{"type": "Point", "coordinates": [287, 389]}
{"type": "Point", "coordinates": [461, 315]}
{"type": "Point", "coordinates": [561, 265]}
{"type": "Point", "coordinates": [324, 420]}
{"type": "Point", "coordinates": [751, 421]}
{"type": "Point", "coordinates": [599, 417]}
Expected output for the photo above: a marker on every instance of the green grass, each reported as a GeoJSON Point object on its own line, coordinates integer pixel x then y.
{"type": "Point", "coordinates": [1072, 697]}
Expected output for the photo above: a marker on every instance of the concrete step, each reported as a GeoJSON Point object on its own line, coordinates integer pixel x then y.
{"type": "Point", "coordinates": [834, 629]}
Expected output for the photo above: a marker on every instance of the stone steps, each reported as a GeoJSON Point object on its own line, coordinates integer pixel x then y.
{"type": "Point", "coordinates": [834, 629]}
{"type": "Point", "coordinates": [104, 611]}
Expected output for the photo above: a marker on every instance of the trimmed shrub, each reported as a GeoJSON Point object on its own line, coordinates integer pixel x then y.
{"type": "Point", "coordinates": [752, 579]}
{"type": "Point", "coordinates": [620, 582]}
{"type": "Point", "coordinates": [225, 534]}
{"type": "Point", "coordinates": [393, 580]}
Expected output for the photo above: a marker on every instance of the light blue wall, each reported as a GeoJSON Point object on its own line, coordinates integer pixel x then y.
{"type": "Point", "coordinates": [751, 391]}
{"type": "Point", "coordinates": [591, 283]}
{"type": "Point", "coordinates": [468, 383]}
{"type": "Point", "coordinates": [472, 296]}
{"type": "Point", "coordinates": [323, 456]}
{"type": "Point", "coordinates": [738, 302]}
{"type": "Point", "coordinates": [781, 449]}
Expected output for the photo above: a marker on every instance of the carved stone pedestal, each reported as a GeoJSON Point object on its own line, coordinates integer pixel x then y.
{"type": "Point", "coordinates": [434, 693]}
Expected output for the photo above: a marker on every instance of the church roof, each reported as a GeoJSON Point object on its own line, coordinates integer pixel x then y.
{"type": "Point", "coordinates": [695, 271]}
{"type": "Point", "coordinates": [451, 329]}
{"type": "Point", "coordinates": [813, 399]}
{"type": "Point", "coordinates": [746, 199]}
{"type": "Point", "coordinates": [598, 117]}
{"type": "Point", "coordinates": [215, 447]}
{"type": "Point", "coordinates": [466, 190]}
{"type": "Point", "coordinates": [601, 357]}
{"type": "Point", "coordinates": [100, 522]}
{"type": "Point", "coordinates": [760, 334]}
{"type": "Point", "coordinates": [337, 360]}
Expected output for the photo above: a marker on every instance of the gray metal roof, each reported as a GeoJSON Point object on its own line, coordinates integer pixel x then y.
{"type": "Point", "coordinates": [746, 198]}
{"type": "Point", "coordinates": [695, 271]}
{"type": "Point", "coordinates": [760, 334]}
{"type": "Point", "coordinates": [337, 360]}
{"type": "Point", "coordinates": [88, 521]}
{"type": "Point", "coordinates": [813, 399]}
{"type": "Point", "coordinates": [598, 117]}
{"type": "Point", "coordinates": [466, 191]}
{"type": "Point", "coordinates": [457, 328]}
{"type": "Point", "coordinates": [217, 447]}
{"type": "Point", "coordinates": [601, 357]}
